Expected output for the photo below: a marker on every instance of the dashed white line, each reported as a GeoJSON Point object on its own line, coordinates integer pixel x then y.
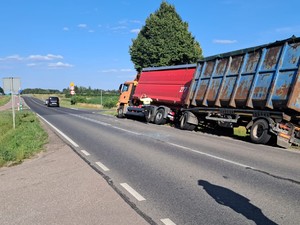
{"type": "Point", "coordinates": [103, 167]}
{"type": "Point", "coordinates": [60, 132]}
{"type": "Point", "coordinates": [167, 221]}
{"type": "Point", "coordinates": [85, 152]}
{"type": "Point", "coordinates": [133, 192]}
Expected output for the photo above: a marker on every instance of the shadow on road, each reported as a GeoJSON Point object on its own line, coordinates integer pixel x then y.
{"type": "Point", "coordinates": [236, 202]}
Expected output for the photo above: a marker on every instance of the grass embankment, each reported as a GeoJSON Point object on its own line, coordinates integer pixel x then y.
{"type": "Point", "coordinates": [23, 142]}
{"type": "Point", "coordinates": [4, 99]}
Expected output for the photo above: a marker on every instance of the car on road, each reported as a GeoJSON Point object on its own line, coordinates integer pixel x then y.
{"type": "Point", "coordinates": [53, 101]}
{"type": "Point", "coordinates": [46, 101]}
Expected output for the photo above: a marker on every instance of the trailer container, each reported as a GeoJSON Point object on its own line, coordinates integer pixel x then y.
{"type": "Point", "coordinates": [257, 87]}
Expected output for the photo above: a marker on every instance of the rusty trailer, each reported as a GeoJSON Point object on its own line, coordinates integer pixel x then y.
{"type": "Point", "coordinates": [258, 88]}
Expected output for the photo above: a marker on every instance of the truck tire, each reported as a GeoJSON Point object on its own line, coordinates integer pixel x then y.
{"type": "Point", "coordinates": [120, 112]}
{"type": "Point", "coordinates": [259, 132]}
{"type": "Point", "coordinates": [184, 125]}
{"type": "Point", "coordinates": [148, 115]}
{"type": "Point", "coordinates": [159, 117]}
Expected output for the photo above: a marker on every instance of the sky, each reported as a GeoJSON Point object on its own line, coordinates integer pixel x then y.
{"type": "Point", "coordinates": [49, 44]}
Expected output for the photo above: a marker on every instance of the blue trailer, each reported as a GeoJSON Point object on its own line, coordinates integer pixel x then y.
{"type": "Point", "coordinates": [258, 88]}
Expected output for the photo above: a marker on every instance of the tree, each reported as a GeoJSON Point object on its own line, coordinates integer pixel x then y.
{"type": "Point", "coordinates": [1, 91]}
{"type": "Point", "coordinates": [164, 41]}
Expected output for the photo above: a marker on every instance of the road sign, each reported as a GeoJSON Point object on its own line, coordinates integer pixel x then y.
{"type": "Point", "coordinates": [72, 92]}
{"type": "Point", "coordinates": [72, 84]}
{"type": "Point", "coordinates": [11, 85]}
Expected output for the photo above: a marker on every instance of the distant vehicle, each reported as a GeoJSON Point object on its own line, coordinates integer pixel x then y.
{"type": "Point", "coordinates": [46, 101]}
{"type": "Point", "coordinates": [53, 101]}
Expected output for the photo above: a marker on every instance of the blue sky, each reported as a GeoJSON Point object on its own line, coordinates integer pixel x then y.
{"type": "Point", "coordinates": [50, 43]}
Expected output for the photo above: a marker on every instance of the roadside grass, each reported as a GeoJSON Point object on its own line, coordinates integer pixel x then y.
{"type": "Point", "coordinates": [4, 99]}
{"type": "Point", "coordinates": [23, 142]}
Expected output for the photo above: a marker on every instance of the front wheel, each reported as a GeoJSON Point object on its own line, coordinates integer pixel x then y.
{"type": "Point", "coordinates": [259, 132]}
{"type": "Point", "coordinates": [120, 112]}
{"type": "Point", "coordinates": [159, 117]}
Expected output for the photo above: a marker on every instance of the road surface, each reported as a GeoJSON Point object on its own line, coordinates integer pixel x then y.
{"type": "Point", "coordinates": [172, 176]}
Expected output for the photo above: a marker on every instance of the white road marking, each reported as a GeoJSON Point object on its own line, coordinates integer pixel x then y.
{"type": "Point", "coordinates": [167, 221]}
{"type": "Point", "coordinates": [209, 155]}
{"type": "Point", "coordinates": [60, 132]}
{"type": "Point", "coordinates": [103, 167]}
{"type": "Point", "coordinates": [85, 152]}
{"type": "Point", "coordinates": [133, 192]}
{"type": "Point", "coordinates": [176, 145]}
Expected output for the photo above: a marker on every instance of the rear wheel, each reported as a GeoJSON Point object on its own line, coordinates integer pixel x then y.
{"type": "Point", "coordinates": [159, 117]}
{"type": "Point", "coordinates": [184, 125]}
{"type": "Point", "coordinates": [259, 132]}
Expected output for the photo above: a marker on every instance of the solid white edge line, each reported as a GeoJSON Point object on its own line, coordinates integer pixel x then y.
{"type": "Point", "coordinates": [60, 132]}
{"type": "Point", "coordinates": [102, 166]}
{"type": "Point", "coordinates": [133, 192]}
{"type": "Point", "coordinates": [212, 156]}
{"type": "Point", "coordinates": [167, 221]}
{"type": "Point", "coordinates": [85, 152]}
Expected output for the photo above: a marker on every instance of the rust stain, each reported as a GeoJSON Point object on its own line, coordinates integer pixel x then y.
{"type": "Point", "coordinates": [282, 91]}
{"type": "Point", "coordinates": [236, 64]}
{"type": "Point", "coordinates": [243, 89]}
{"type": "Point", "coordinates": [209, 69]}
{"type": "Point", "coordinates": [221, 66]}
{"type": "Point", "coordinates": [294, 60]}
{"type": "Point", "coordinates": [213, 89]}
{"type": "Point", "coordinates": [272, 57]}
{"type": "Point", "coordinates": [260, 93]}
{"type": "Point", "coordinates": [252, 61]}
{"type": "Point", "coordinates": [201, 91]}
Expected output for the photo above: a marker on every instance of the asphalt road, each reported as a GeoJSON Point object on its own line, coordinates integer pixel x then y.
{"type": "Point", "coordinates": [181, 177]}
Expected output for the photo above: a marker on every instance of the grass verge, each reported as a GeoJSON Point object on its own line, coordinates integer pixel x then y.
{"type": "Point", "coordinates": [23, 142]}
{"type": "Point", "coordinates": [4, 99]}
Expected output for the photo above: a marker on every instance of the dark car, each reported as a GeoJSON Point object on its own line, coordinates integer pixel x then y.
{"type": "Point", "coordinates": [53, 101]}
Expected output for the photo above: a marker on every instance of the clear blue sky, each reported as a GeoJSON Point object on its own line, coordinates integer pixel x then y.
{"type": "Point", "coordinates": [50, 43]}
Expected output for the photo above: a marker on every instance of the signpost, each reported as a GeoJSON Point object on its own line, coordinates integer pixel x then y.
{"type": "Point", "coordinates": [12, 85]}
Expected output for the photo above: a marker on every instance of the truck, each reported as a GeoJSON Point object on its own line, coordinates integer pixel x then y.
{"type": "Point", "coordinates": [257, 88]}
{"type": "Point", "coordinates": [165, 87]}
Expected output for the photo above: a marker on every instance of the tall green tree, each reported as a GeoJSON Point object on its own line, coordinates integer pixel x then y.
{"type": "Point", "coordinates": [1, 91]}
{"type": "Point", "coordinates": [164, 40]}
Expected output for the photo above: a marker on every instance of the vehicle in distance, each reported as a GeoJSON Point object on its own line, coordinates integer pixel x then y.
{"type": "Point", "coordinates": [53, 101]}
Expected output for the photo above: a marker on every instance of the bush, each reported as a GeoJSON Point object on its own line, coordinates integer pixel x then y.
{"type": "Point", "coordinates": [109, 104]}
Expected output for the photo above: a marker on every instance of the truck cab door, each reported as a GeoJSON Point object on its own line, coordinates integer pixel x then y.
{"type": "Point", "coordinates": [125, 93]}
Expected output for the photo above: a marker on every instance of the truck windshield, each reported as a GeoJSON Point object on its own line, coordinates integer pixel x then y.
{"type": "Point", "coordinates": [125, 87]}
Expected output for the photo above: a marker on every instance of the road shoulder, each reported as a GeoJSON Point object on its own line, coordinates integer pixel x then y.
{"type": "Point", "coordinates": [58, 187]}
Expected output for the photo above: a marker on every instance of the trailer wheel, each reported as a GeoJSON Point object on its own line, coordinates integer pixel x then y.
{"type": "Point", "coordinates": [120, 112]}
{"type": "Point", "coordinates": [184, 125]}
{"type": "Point", "coordinates": [259, 132]}
{"type": "Point", "coordinates": [159, 117]}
